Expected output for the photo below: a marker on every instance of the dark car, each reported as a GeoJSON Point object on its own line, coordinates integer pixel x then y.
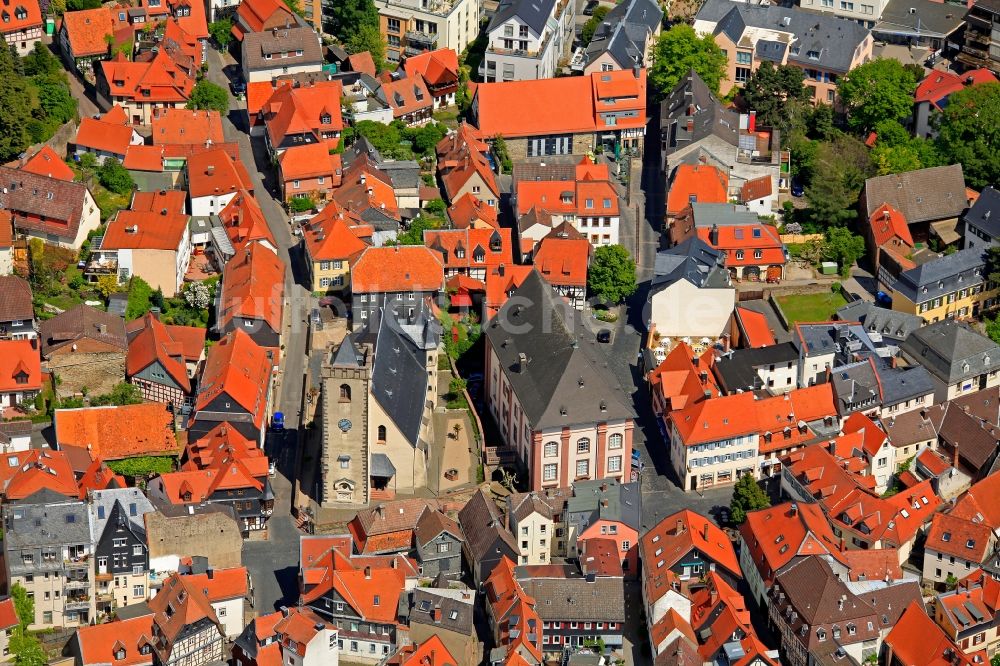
{"type": "Point", "coordinates": [238, 86]}
{"type": "Point", "coordinates": [797, 189]}
{"type": "Point", "coordinates": [883, 298]}
{"type": "Point", "coordinates": [591, 6]}
{"type": "Point", "coordinates": [604, 335]}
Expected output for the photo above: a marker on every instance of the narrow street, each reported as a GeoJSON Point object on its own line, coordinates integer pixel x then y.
{"type": "Point", "coordinates": [273, 563]}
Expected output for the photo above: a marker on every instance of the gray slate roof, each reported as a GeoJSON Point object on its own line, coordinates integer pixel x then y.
{"type": "Point", "coordinates": [737, 368]}
{"type": "Point", "coordinates": [456, 613]}
{"type": "Point", "coordinates": [133, 501]}
{"type": "Point", "coordinates": [624, 32]}
{"type": "Point", "coordinates": [985, 213]}
{"type": "Point", "coordinates": [587, 505]}
{"type": "Point", "coordinates": [821, 40]}
{"type": "Point", "coordinates": [257, 44]}
{"type": "Point", "coordinates": [693, 260]}
{"type": "Point", "coordinates": [902, 384]}
{"type": "Point", "coordinates": [941, 276]}
{"type": "Point", "coordinates": [923, 195]}
{"type": "Point", "coordinates": [576, 598]}
{"type": "Point", "coordinates": [887, 323]}
{"type": "Point", "coordinates": [565, 378]}
{"type": "Point", "coordinates": [480, 521]}
{"type": "Point", "coordinates": [855, 385]}
{"type": "Point", "coordinates": [952, 351]}
{"type": "Point", "coordinates": [723, 214]}
{"type": "Point", "coordinates": [46, 519]}
{"type": "Point", "coordinates": [710, 116]}
{"type": "Point", "coordinates": [937, 19]}
{"type": "Point", "coordinates": [533, 13]}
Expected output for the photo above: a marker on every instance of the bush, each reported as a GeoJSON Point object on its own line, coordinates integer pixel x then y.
{"type": "Point", "coordinates": [301, 204]}
{"type": "Point", "coordinates": [142, 466]}
{"type": "Point", "coordinates": [835, 287]}
{"type": "Point", "coordinates": [115, 177]}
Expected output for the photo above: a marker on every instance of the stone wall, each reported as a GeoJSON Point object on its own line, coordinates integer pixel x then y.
{"type": "Point", "coordinates": [97, 372]}
{"type": "Point", "coordinates": [215, 535]}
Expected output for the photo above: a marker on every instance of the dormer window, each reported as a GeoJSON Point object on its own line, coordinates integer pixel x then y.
{"type": "Point", "coordinates": [325, 119]}
{"type": "Point", "coordinates": [460, 253]}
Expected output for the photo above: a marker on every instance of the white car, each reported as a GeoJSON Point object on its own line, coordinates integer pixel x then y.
{"type": "Point", "coordinates": [272, 469]}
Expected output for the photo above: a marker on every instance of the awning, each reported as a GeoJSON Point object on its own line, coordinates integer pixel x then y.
{"type": "Point", "coordinates": [947, 231]}
{"type": "Point", "coordinates": [382, 466]}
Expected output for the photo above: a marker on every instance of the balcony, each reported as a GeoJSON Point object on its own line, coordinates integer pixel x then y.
{"type": "Point", "coordinates": [73, 585]}
{"type": "Point", "coordinates": [418, 42]}
{"type": "Point", "coordinates": [76, 603]}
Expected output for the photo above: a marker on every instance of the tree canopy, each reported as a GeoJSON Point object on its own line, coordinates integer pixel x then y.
{"type": "Point", "coordinates": [345, 17]}
{"type": "Point", "coordinates": [590, 27]}
{"type": "Point", "coordinates": [115, 177]}
{"type": "Point", "coordinates": [612, 274]}
{"type": "Point", "coordinates": [222, 31]}
{"type": "Point", "coordinates": [368, 38]}
{"type": "Point", "coordinates": [844, 247]}
{"type": "Point", "coordinates": [747, 496]}
{"type": "Point", "coordinates": [896, 151]}
{"type": "Point", "coordinates": [970, 133]}
{"type": "Point", "coordinates": [680, 50]}
{"type": "Point", "coordinates": [881, 89]}
{"type": "Point", "coordinates": [34, 99]}
{"type": "Point", "coordinates": [777, 94]}
{"type": "Point", "coordinates": [838, 171]}
{"type": "Point", "coordinates": [209, 96]}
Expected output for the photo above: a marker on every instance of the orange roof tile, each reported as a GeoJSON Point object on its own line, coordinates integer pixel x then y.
{"type": "Point", "coordinates": [104, 136]}
{"type": "Point", "coordinates": [500, 284]}
{"type": "Point", "coordinates": [513, 609]}
{"type": "Point", "coordinates": [22, 15]}
{"type": "Point", "coordinates": [8, 614]}
{"type": "Point", "coordinates": [563, 261]}
{"type": "Point", "coordinates": [406, 96]}
{"type": "Point", "coordinates": [34, 470]}
{"type": "Point", "coordinates": [461, 155]}
{"type": "Point", "coordinates": [465, 249]}
{"type": "Point", "coordinates": [184, 126]}
{"type": "Point", "coordinates": [398, 268]}
{"type": "Point", "coordinates": [253, 287]}
{"type": "Point", "coordinates": [469, 211]}
{"type": "Point", "coordinates": [297, 110]}
{"type": "Point", "coordinates": [954, 535]}
{"type": "Point", "coordinates": [154, 344]}
{"type": "Point", "coordinates": [188, 605]}
{"type": "Point", "coordinates": [311, 161]}
{"type": "Point", "coordinates": [144, 158]}
{"type": "Point", "coordinates": [46, 162]}
{"type": "Point", "coordinates": [916, 640]}
{"type": "Point", "coordinates": [173, 201]}
{"type": "Point", "coordinates": [744, 237]}
{"type": "Point", "coordinates": [99, 477]}
{"type": "Point", "coordinates": [888, 224]}
{"type": "Point", "coordinates": [432, 652]}
{"type": "Point", "coordinates": [678, 382]}
{"type": "Point", "coordinates": [696, 182]}
{"type": "Point", "coordinates": [757, 188]}
{"type": "Point", "coordinates": [981, 502]}
{"type": "Point", "coordinates": [99, 643]}
{"type": "Point", "coordinates": [160, 80]}
{"type": "Point", "coordinates": [439, 68]}
{"type": "Point", "coordinates": [245, 223]}
{"type": "Point", "coordinates": [716, 419]}
{"type": "Point", "coordinates": [939, 84]}
{"type": "Point", "coordinates": [561, 105]}
{"type": "Point", "coordinates": [117, 432]}
{"type": "Point", "coordinates": [362, 62]}
{"type": "Point", "coordinates": [87, 29]}
{"type": "Point", "coordinates": [212, 448]}
{"type": "Point", "coordinates": [370, 586]}
{"type": "Point", "coordinates": [256, 14]}
{"type": "Point", "coordinates": [365, 187]}
{"type": "Point", "coordinates": [214, 172]}
{"type": "Point", "coordinates": [755, 328]}
{"type": "Point", "coordinates": [240, 368]}
{"type": "Point", "coordinates": [20, 366]}
{"type": "Point", "coordinates": [221, 584]}
{"type": "Point", "coordinates": [328, 236]}
{"type": "Point", "coordinates": [145, 230]}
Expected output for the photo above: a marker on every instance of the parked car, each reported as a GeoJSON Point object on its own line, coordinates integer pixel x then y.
{"type": "Point", "coordinates": [883, 299]}
{"type": "Point", "coordinates": [604, 335]}
{"type": "Point", "coordinates": [278, 422]}
{"type": "Point", "coordinates": [797, 189]}
{"type": "Point", "coordinates": [591, 6]}
{"type": "Point", "coordinates": [238, 86]}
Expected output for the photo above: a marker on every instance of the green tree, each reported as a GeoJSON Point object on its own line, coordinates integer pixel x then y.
{"type": "Point", "coordinates": [612, 274]}
{"type": "Point", "coordinates": [368, 38]}
{"type": "Point", "coordinates": [844, 247]}
{"type": "Point", "coordinates": [139, 296]}
{"type": "Point", "coordinates": [414, 235]}
{"type": "Point", "coordinates": [107, 285]}
{"type": "Point", "coordinates": [295, 6]}
{"type": "Point", "coordinates": [969, 133]}
{"type": "Point", "coordinates": [777, 94]}
{"type": "Point", "coordinates": [426, 137]}
{"type": "Point", "coordinates": [27, 649]}
{"type": "Point", "coordinates": [385, 138]}
{"type": "Point", "coordinates": [590, 27]}
{"type": "Point", "coordinates": [221, 32]}
{"type": "Point", "coordinates": [747, 496]}
{"type": "Point", "coordinates": [24, 605]}
{"type": "Point", "coordinates": [41, 62]}
{"type": "Point", "coordinates": [16, 103]}
{"type": "Point", "coordinates": [881, 89]}
{"type": "Point", "coordinates": [343, 18]}
{"type": "Point", "coordinates": [76, 5]}
{"type": "Point", "coordinates": [209, 96]}
{"type": "Point", "coordinates": [436, 207]}
{"type": "Point", "coordinates": [55, 99]}
{"type": "Point", "coordinates": [838, 171]}
{"type": "Point", "coordinates": [123, 393]}
{"type": "Point", "coordinates": [820, 125]}
{"type": "Point", "coordinates": [503, 157]}
{"type": "Point", "coordinates": [680, 50]}
{"type": "Point", "coordinates": [115, 177]}
{"type": "Point", "coordinates": [896, 151]}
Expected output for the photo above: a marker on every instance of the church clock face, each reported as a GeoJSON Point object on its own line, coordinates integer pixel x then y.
{"type": "Point", "coordinates": [344, 424]}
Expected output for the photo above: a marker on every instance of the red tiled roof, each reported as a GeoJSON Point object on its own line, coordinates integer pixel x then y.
{"type": "Point", "coordinates": [732, 238]}
{"type": "Point", "coordinates": [403, 268]}
{"type": "Point", "coordinates": [99, 643]}
{"type": "Point", "coordinates": [8, 614]}
{"type": "Point", "coordinates": [571, 104]}
{"type": "Point", "coordinates": [706, 184]}
{"type": "Point", "coordinates": [961, 537]}
{"type": "Point", "coordinates": [47, 163]}
{"type": "Point", "coordinates": [87, 29]}
{"type": "Point", "coordinates": [916, 640]}
{"type": "Point", "coordinates": [154, 343]}
{"type": "Point", "coordinates": [678, 382]}
{"type": "Point", "coordinates": [756, 330]}
{"type": "Point", "coordinates": [104, 136]}
{"type": "Point", "coordinates": [256, 13]}
{"type": "Point", "coordinates": [479, 248]}
{"type": "Point", "coordinates": [721, 615]}
{"type": "Point", "coordinates": [462, 154]}
{"type": "Point", "coordinates": [221, 584]}
{"type": "Point", "coordinates": [311, 161]}
{"type": "Point", "coordinates": [12, 16]}
{"type": "Point", "coordinates": [245, 223]}
{"type": "Point", "coordinates": [468, 211]}
{"type": "Point", "coordinates": [982, 502]}
{"type": "Point", "coordinates": [499, 286]}
{"type": "Point", "coordinates": [513, 610]}
{"type": "Point", "coordinates": [295, 109]}
{"type": "Point", "coordinates": [873, 437]}
{"type": "Point", "coordinates": [214, 172]}
{"type": "Point", "coordinates": [938, 85]}
{"type": "Point", "coordinates": [253, 287]}
{"type": "Point", "coordinates": [366, 187]}
{"type": "Point", "coordinates": [591, 194]}
{"type": "Point", "coordinates": [99, 476]}
{"type": "Point", "coordinates": [145, 230]}
{"type": "Point", "coordinates": [173, 201]}
{"type": "Point", "coordinates": [673, 538]}
{"type": "Point", "coordinates": [20, 366]}
{"type": "Point", "coordinates": [117, 432]}
{"type": "Point", "coordinates": [439, 68]}
{"type": "Point", "coordinates": [757, 188]}
{"type": "Point", "coordinates": [188, 605]}
{"type": "Point", "coordinates": [212, 448]}
{"type": "Point", "coordinates": [362, 62]}
{"type": "Point", "coordinates": [563, 261]}
{"type": "Point", "coordinates": [887, 224]}
{"type": "Point", "coordinates": [432, 652]}
{"type": "Point", "coordinates": [330, 235]}
{"type": "Point", "coordinates": [406, 96]}
{"type": "Point", "coordinates": [185, 126]}
{"type": "Point", "coordinates": [781, 533]}
{"type": "Point", "coordinates": [240, 368]}
{"type": "Point", "coordinates": [160, 80]}
{"type": "Point", "coordinates": [716, 419]}
{"type": "Point", "coordinates": [144, 158]}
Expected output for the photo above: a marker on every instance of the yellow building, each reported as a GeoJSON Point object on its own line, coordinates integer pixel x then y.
{"type": "Point", "coordinates": [333, 240]}
{"type": "Point", "coordinates": [950, 287]}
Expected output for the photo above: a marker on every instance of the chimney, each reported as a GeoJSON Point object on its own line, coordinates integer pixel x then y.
{"type": "Point", "coordinates": [793, 510]}
{"type": "Point", "coordinates": [437, 614]}
{"type": "Point", "coordinates": [210, 573]}
{"type": "Point", "coordinates": [604, 487]}
{"type": "Point", "coordinates": [954, 456]}
{"type": "Point", "coordinates": [604, 503]}
{"type": "Point", "coordinates": [680, 527]}
{"type": "Point", "coordinates": [713, 235]}
{"type": "Point", "coordinates": [841, 602]}
{"type": "Point", "coordinates": [380, 511]}
{"type": "Point", "coordinates": [690, 125]}
{"type": "Point", "coordinates": [284, 611]}
{"type": "Point", "coordinates": [210, 169]}
{"type": "Point", "coordinates": [704, 532]}
{"type": "Point", "coordinates": [714, 595]}
{"type": "Point", "coordinates": [102, 329]}
{"type": "Point", "coordinates": [368, 573]}
{"type": "Point", "coordinates": [522, 362]}
{"type": "Point", "coordinates": [843, 544]}
{"type": "Point", "coordinates": [500, 270]}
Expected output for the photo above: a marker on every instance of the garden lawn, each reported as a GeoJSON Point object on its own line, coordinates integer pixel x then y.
{"type": "Point", "coordinates": [810, 307]}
